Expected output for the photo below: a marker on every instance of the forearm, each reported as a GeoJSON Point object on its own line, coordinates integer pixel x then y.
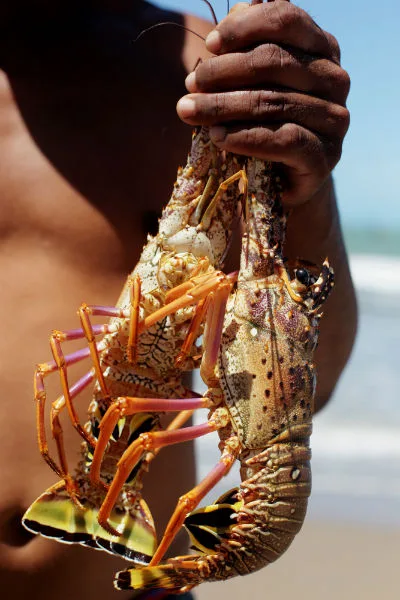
{"type": "Point", "coordinates": [314, 233]}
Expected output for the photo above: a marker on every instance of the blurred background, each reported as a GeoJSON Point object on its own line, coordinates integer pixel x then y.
{"type": "Point", "coordinates": [350, 544]}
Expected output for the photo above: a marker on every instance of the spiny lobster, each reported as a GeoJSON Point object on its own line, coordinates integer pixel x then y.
{"type": "Point", "coordinates": [262, 386]}
{"type": "Point", "coordinates": [148, 344]}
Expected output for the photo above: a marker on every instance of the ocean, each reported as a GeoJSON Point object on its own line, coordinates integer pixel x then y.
{"type": "Point", "coordinates": [356, 438]}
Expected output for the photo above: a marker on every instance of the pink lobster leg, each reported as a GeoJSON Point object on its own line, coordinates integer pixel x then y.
{"type": "Point", "coordinates": [56, 429]}
{"type": "Point", "coordinates": [191, 499]}
{"type": "Point", "coordinates": [134, 320]}
{"type": "Point", "coordinates": [213, 330]}
{"type": "Point", "coordinates": [60, 363]}
{"type": "Point", "coordinates": [126, 406]}
{"type": "Point", "coordinates": [146, 442]}
{"type": "Point", "coordinates": [197, 292]}
{"type": "Point", "coordinates": [152, 441]}
{"type": "Point", "coordinates": [57, 406]}
{"type": "Point", "coordinates": [212, 339]}
{"type": "Point", "coordinates": [199, 318]}
{"type": "Point", "coordinates": [216, 300]}
{"type": "Point", "coordinates": [193, 331]}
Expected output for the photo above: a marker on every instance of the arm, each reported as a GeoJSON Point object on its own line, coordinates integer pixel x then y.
{"type": "Point", "coordinates": [314, 233]}
{"type": "Point", "coordinates": [276, 91]}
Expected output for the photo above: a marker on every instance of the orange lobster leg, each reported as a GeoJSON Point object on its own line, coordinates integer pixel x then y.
{"type": "Point", "coordinates": [215, 310]}
{"type": "Point", "coordinates": [191, 499]}
{"type": "Point", "coordinates": [126, 406]}
{"type": "Point", "coordinates": [134, 320]}
{"type": "Point", "coordinates": [193, 296]}
{"type": "Point", "coordinates": [146, 442]}
{"type": "Point", "coordinates": [40, 396]}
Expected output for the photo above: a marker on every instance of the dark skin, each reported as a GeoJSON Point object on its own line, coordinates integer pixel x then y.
{"type": "Point", "coordinates": [89, 146]}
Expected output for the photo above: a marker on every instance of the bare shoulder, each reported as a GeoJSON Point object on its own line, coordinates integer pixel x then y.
{"type": "Point", "coordinates": [194, 47]}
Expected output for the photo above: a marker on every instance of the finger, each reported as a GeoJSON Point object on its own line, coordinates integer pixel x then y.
{"type": "Point", "coordinates": [265, 107]}
{"type": "Point", "coordinates": [279, 22]}
{"type": "Point", "coordinates": [290, 144]}
{"type": "Point", "coordinates": [274, 66]}
{"type": "Point", "coordinates": [307, 157]}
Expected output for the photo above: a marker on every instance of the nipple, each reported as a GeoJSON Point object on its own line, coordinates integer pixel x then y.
{"type": "Point", "coordinates": [12, 533]}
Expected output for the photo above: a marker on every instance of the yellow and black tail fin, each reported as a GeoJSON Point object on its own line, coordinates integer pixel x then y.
{"type": "Point", "coordinates": [208, 527]}
{"type": "Point", "coordinates": [178, 576]}
{"type": "Point", "coordinates": [55, 515]}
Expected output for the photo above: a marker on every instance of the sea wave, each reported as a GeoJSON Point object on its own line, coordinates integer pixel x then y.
{"type": "Point", "coordinates": [375, 273]}
{"type": "Point", "coordinates": [347, 443]}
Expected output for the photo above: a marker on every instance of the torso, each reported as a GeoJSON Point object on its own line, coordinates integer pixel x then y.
{"type": "Point", "coordinates": [89, 147]}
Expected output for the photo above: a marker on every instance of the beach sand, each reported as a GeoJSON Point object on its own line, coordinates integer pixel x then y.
{"type": "Point", "coordinates": [327, 561]}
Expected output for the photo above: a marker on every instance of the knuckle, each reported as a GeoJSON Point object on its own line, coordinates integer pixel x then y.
{"type": "Point", "coordinates": [254, 139]}
{"type": "Point", "coordinates": [284, 15]}
{"type": "Point", "coordinates": [334, 45]}
{"type": "Point", "coordinates": [219, 105]}
{"type": "Point", "coordinates": [340, 118]}
{"type": "Point", "coordinates": [268, 104]}
{"type": "Point", "coordinates": [345, 82]}
{"type": "Point", "coordinates": [206, 72]}
{"type": "Point", "coordinates": [337, 82]}
{"type": "Point", "coordinates": [269, 56]}
{"type": "Point", "coordinates": [292, 136]}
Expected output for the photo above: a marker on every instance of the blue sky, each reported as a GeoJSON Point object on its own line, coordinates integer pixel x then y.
{"type": "Point", "coordinates": [367, 177]}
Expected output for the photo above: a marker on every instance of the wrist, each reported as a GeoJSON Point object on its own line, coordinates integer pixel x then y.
{"type": "Point", "coordinates": [313, 230]}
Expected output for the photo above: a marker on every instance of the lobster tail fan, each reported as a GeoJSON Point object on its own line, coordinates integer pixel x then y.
{"type": "Point", "coordinates": [177, 577]}
{"type": "Point", "coordinates": [208, 527]}
{"type": "Point", "coordinates": [55, 515]}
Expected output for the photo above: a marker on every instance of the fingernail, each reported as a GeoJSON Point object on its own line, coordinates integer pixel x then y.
{"type": "Point", "coordinates": [186, 107]}
{"type": "Point", "coordinates": [190, 82]}
{"type": "Point", "coordinates": [217, 134]}
{"type": "Point", "coordinates": [214, 42]}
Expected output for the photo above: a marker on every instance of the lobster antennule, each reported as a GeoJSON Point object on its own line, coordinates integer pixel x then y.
{"type": "Point", "coordinates": [55, 515]}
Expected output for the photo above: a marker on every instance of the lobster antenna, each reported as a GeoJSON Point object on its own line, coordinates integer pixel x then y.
{"type": "Point", "coordinates": [168, 23]}
{"type": "Point", "coordinates": [214, 16]}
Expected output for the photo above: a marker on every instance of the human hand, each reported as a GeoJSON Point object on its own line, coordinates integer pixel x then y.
{"type": "Point", "coordinates": [274, 91]}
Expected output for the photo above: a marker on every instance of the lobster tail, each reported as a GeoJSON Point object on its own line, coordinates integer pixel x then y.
{"type": "Point", "coordinates": [55, 515]}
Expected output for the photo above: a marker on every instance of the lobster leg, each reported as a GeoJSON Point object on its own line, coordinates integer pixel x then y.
{"type": "Point", "coordinates": [211, 343]}
{"type": "Point", "coordinates": [193, 331]}
{"type": "Point", "coordinates": [216, 300]}
{"type": "Point", "coordinates": [60, 360]}
{"type": "Point", "coordinates": [56, 429]}
{"type": "Point", "coordinates": [215, 304]}
{"type": "Point", "coordinates": [134, 320]}
{"type": "Point", "coordinates": [60, 363]}
{"type": "Point", "coordinates": [40, 396]}
{"type": "Point", "coordinates": [148, 442]}
{"type": "Point", "coordinates": [193, 296]}
{"type": "Point", "coordinates": [202, 309]}
{"type": "Point", "coordinates": [191, 499]}
{"type": "Point", "coordinates": [126, 406]}
{"type": "Point", "coordinates": [238, 176]}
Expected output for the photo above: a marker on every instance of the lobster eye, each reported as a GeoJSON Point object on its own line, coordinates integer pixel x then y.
{"type": "Point", "coordinates": [303, 276]}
